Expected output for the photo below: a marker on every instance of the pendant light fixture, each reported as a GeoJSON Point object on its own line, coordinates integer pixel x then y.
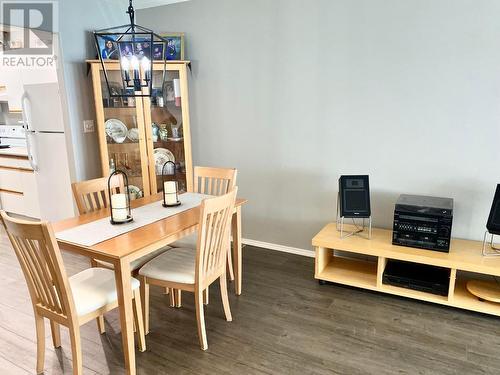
{"type": "Point", "coordinates": [132, 46]}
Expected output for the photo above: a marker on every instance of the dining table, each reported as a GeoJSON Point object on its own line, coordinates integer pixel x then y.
{"type": "Point", "coordinates": [126, 247]}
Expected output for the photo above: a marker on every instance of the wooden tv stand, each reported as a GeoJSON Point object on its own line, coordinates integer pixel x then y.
{"type": "Point", "coordinates": [367, 272]}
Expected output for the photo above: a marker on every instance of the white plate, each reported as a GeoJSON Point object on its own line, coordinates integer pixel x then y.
{"type": "Point", "coordinates": [162, 155]}
{"type": "Point", "coordinates": [135, 192]}
{"type": "Point", "coordinates": [116, 130]}
{"type": "Point", "coordinates": [133, 134]}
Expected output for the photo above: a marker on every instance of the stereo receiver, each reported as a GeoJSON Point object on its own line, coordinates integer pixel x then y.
{"type": "Point", "coordinates": [423, 222]}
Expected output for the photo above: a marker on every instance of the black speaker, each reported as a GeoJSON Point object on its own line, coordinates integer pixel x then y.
{"type": "Point", "coordinates": [354, 194]}
{"type": "Point", "coordinates": [493, 224]}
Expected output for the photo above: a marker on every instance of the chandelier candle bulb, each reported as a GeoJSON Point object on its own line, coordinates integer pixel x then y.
{"type": "Point", "coordinates": [145, 64]}
{"type": "Point", "coordinates": [126, 68]}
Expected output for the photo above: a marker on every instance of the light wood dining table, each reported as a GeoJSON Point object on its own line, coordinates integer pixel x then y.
{"type": "Point", "coordinates": [127, 247]}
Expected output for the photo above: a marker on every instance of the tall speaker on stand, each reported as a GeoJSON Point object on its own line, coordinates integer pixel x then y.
{"type": "Point", "coordinates": [492, 227]}
{"type": "Point", "coordinates": [489, 290]}
{"type": "Point", "coordinates": [353, 202]}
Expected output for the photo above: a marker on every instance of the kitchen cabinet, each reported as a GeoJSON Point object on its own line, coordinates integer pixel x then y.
{"type": "Point", "coordinates": [18, 186]}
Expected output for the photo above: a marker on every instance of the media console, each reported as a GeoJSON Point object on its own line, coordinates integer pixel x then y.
{"type": "Point", "coordinates": [360, 262]}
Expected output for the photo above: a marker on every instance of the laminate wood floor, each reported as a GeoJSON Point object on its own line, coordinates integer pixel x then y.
{"type": "Point", "coordinates": [284, 323]}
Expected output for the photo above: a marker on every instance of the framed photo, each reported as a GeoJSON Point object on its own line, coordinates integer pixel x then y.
{"type": "Point", "coordinates": [142, 49]}
{"type": "Point", "coordinates": [109, 49]}
{"type": "Point", "coordinates": [174, 49]}
{"type": "Point", "coordinates": [158, 51]}
{"type": "Point", "coordinates": [126, 49]}
{"type": "Point", "coordinates": [168, 91]}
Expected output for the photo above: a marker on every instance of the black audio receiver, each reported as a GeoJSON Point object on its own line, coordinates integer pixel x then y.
{"type": "Point", "coordinates": [423, 222]}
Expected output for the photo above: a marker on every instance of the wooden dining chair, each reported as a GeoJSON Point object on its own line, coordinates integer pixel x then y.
{"type": "Point", "coordinates": [93, 195]}
{"type": "Point", "coordinates": [210, 181]}
{"type": "Point", "coordinates": [194, 271]}
{"type": "Point", "coordinates": [70, 302]}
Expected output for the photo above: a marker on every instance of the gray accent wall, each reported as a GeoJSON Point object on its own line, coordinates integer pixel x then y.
{"type": "Point", "coordinates": [77, 19]}
{"type": "Point", "coordinates": [294, 93]}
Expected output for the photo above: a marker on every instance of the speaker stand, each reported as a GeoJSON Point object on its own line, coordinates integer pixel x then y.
{"type": "Point", "coordinates": [493, 250]}
{"type": "Point", "coordinates": [358, 230]}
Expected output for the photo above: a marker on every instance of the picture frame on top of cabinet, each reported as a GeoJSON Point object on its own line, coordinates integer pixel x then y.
{"type": "Point", "coordinates": [157, 51]}
{"type": "Point", "coordinates": [174, 49]}
{"type": "Point", "coordinates": [109, 49]}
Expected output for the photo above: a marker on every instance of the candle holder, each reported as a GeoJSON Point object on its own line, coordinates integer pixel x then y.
{"type": "Point", "coordinates": [119, 203]}
{"type": "Point", "coordinates": [170, 188]}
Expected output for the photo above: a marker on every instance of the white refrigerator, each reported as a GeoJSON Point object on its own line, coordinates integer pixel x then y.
{"type": "Point", "coordinates": [47, 144]}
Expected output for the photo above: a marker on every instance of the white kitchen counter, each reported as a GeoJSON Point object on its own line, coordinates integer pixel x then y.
{"type": "Point", "coordinates": [14, 151]}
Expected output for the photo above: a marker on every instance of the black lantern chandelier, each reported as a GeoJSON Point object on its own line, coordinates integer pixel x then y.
{"type": "Point", "coordinates": [136, 48]}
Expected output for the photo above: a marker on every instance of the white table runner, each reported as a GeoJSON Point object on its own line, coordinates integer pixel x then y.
{"type": "Point", "coordinates": [101, 230]}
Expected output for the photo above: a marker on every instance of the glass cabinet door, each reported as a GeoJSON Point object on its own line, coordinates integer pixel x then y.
{"type": "Point", "coordinates": [167, 127]}
{"type": "Point", "coordinates": [123, 130]}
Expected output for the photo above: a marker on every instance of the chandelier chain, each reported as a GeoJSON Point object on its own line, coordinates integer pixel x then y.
{"type": "Point", "coordinates": [131, 13]}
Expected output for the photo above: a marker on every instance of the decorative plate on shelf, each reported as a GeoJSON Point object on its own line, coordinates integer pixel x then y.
{"type": "Point", "coordinates": [135, 192]}
{"type": "Point", "coordinates": [162, 155]}
{"type": "Point", "coordinates": [133, 134]}
{"type": "Point", "coordinates": [116, 130]}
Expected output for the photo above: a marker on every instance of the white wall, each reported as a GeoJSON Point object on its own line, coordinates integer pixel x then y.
{"type": "Point", "coordinates": [77, 19]}
{"type": "Point", "coordinates": [294, 93]}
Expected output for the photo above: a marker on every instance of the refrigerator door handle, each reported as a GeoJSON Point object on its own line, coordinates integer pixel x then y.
{"type": "Point", "coordinates": [28, 132]}
{"type": "Point", "coordinates": [31, 155]}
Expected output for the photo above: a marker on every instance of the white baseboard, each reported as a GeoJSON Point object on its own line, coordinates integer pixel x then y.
{"type": "Point", "coordinates": [273, 246]}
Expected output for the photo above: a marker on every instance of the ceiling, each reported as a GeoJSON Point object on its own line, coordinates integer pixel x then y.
{"type": "Point", "coordinates": [141, 4]}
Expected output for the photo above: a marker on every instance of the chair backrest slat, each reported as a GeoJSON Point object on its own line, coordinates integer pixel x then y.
{"type": "Point", "coordinates": [214, 181]}
{"type": "Point", "coordinates": [41, 262]}
{"type": "Point", "coordinates": [42, 274]}
{"type": "Point", "coordinates": [92, 195]}
{"type": "Point", "coordinates": [213, 235]}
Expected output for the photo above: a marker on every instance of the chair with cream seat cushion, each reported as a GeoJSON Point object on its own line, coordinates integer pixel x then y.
{"type": "Point", "coordinates": [70, 302]}
{"type": "Point", "coordinates": [194, 270]}
{"type": "Point", "coordinates": [188, 241]}
{"type": "Point", "coordinates": [95, 288]}
{"type": "Point", "coordinates": [211, 181]}
{"type": "Point", "coordinates": [176, 266]}
{"type": "Point", "coordinates": [92, 195]}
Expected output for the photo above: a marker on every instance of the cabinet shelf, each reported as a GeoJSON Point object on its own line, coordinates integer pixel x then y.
{"type": "Point", "coordinates": [463, 297]}
{"type": "Point", "coordinates": [134, 145]}
{"type": "Point", "coordinates": [120, 111]}
{"type": "Point", "coordinates": [139, 155]}
{"type": "Point", "coordinates": [353, 272]}
{"type": "Point", "coordinates": [415, 294]}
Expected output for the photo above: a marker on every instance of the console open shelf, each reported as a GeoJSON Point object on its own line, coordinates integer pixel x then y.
{"type": "Point", "coordinates": [462, 297]}
{"type": "Point", "coordinates": [350, 271]}
{"type": "Point", "coordinates": [415, 294]}
{"type": "Point", "coordinates": [347, 268]}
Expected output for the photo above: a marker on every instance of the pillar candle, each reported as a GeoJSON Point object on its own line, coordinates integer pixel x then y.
{"type": "Point", "coordinates": [170, 187]}
{"type": "Point", "coordinates": [119, 210]}
{"type": "Point", "coordinates": [170, 198]}
{"type": "Point", "coordinates": [170, 192]}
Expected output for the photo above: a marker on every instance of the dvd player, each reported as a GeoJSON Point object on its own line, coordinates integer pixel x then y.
{"type": "Point", "coordinates": [416, 276]}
